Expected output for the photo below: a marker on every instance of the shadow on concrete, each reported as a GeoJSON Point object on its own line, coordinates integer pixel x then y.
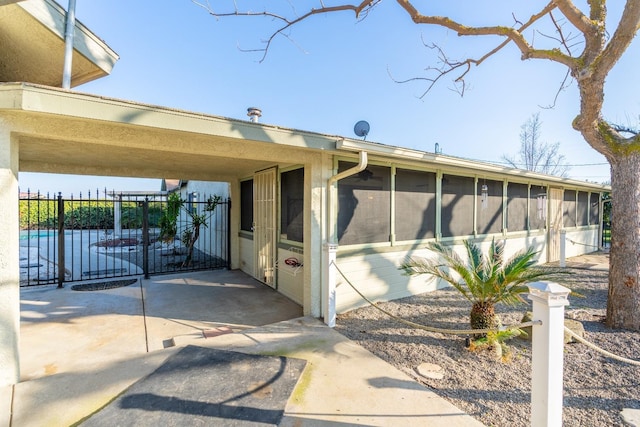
{"type": "Point", "coordinates": [205, 385]}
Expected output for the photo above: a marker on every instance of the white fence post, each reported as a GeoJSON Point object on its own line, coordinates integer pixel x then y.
{"type": "Point", "coordinates": [329, 298]}
{"type": "Point", "coordinates": [549, 300]}
{"type": "Point", "coordinates": [563, 248]}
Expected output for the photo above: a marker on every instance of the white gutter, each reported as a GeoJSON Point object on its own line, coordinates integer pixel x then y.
{"type": "Point", "coordinates": [68, 44]}
{"type": "Point", "coordinates": [362, 165]}
{"type": "Point", "coordinates": [331, 247]}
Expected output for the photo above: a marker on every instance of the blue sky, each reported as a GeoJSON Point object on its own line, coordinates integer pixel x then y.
{"type": "Point", "coordinates": [333, 71]}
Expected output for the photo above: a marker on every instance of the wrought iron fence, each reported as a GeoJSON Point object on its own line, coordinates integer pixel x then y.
{"type": "Point", "coordinates": [112, 235]}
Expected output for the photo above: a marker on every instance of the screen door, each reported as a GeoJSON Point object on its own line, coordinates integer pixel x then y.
{"type": "Point", "coordinates": [264, 231]}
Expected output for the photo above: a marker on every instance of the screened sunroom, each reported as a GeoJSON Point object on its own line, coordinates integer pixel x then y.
{"type": "Point", "coordinates": [390, 208]}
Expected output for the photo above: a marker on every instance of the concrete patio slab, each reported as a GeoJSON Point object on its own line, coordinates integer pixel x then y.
{"type": "Point", "coordinates": [80, 350]}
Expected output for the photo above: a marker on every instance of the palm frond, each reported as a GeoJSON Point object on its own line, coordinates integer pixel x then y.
{"type": "Point", "coordinates": [475, 255]}
{"type": "Point", "coordinates": [496, 255]}
{"type": "Point", "coordinates": [416, 266]}
{"type": "Point", "coordinates": [520, 262]}
{"type": "Point", "coordinates": [483, 277]}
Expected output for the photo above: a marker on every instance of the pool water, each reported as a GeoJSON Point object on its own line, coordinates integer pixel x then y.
{"type": "Point", "coordinates": [34, 234]}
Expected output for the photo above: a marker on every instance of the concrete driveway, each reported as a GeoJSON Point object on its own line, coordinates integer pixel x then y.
{"type": "Point", "coordinates": [63, 330]}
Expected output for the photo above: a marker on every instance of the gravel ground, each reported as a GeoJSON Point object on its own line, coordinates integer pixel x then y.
{"type": "Point", "coordinates": [498, 394]}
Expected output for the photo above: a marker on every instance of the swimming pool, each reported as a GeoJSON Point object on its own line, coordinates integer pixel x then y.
{"type": "Point", "coordinates": [40, 234]}
{"type": "Point", "coordinates": [34, 234]}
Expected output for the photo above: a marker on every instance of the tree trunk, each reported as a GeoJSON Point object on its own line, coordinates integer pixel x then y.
{"type": "Point", "coordinates": [623, 303]}
{"type": "Point", "coordinates": [191, 244]}
{"type": "Point", "coordinates": [483, 316]}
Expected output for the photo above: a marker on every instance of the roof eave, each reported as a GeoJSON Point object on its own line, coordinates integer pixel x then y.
{"type": "Point", "coordinates": [33, 35]}
{"type": "Point", "coordinates": [444, 161]}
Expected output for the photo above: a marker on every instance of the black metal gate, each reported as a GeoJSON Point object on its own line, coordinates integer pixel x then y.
{"type": "Point", "coordinates": [115, 235]}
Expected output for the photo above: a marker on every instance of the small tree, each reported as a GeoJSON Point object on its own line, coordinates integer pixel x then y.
{"type": "Point", "coordinates": [535, 155]}
{"type": "Point", "coordinates": [484, 280]}
{"type": "Point", "coordinates": [189, 235]}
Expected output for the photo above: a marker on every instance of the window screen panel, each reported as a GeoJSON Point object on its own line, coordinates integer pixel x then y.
{"type": "Point", "coordinates": [246, 205]}
{"type": "Point", "coordinates": [569, 209]}
{"type": "Point", "coordinates": [537, 208]}
{"type": "Point", "coordinates": [415, 216]}
{"type": "Point", "coordinates": [517, 197]}
{"type": "Point", "coordinates": [292, 205]}
{"type": "Point", "coordinates": [594, 209]}
{"type": "Point", "coordinates": [457, 205]}
{"type": "Point", "coordinates": [364, 205]}
{"type": "Point", "coordinates": [489, 207]}
{"type": "Point", "coordinates": [583, 208]}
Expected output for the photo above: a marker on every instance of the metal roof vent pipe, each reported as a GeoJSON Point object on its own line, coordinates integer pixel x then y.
{"type": "Point", "coordinates": [254, 114]}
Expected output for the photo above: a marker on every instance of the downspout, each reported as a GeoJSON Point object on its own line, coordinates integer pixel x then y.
{"type": "Point", "coordinates": [331, 246]}
{"type": "Point", "coordinates": [68, 44]}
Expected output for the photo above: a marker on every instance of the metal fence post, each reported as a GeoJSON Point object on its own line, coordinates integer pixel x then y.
{"type": "Point", "coordinates": [145, 238]}
{"type": "Point", "coordinates": [228, 232]}
{"type": "Point", "coordinates": [549, 300]}
{"type": "Point", "coordinates": [61, 261]}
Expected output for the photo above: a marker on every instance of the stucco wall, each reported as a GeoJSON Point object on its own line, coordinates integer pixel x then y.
{"type": "Point", "coordinates": [377, 276]}
{"type": "Point", "coordinates": [582, 240]}
{"type": "Point", "coordinates": [246, 255]}
{"type": "Point", "coordinates": [290, 278]}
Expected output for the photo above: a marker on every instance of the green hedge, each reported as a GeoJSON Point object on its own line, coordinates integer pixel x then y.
{"type": "Point", "coordinates": [43, 214]}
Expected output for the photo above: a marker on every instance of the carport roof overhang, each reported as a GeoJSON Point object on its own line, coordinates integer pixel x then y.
{"type": "Point", "coordinates": [59, 131]}
{"type": "Point", "coordinates": [32, 37]}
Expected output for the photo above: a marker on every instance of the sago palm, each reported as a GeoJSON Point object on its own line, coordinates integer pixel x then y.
{"type": "Point", "coordinates": [484, 280]}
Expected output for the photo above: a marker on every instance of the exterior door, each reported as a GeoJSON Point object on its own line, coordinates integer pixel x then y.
{"type": "Point", "coordinates": [555, 223]}
{"type": "Point", "coordinates": [264, 229]}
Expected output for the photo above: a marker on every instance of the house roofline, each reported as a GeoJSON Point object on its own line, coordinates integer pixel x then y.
{"type": "Point", "coordinates": [33, 98]}
{"type": "Point", "coordinates": [445, 161]}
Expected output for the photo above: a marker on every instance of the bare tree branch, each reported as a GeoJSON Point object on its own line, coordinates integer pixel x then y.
{"type": "Point", "coordinates": [575, 16]}
{"type": "Point", "coordinates": [287, 23]}
{"type": "Point", "coordinates": [564, 41]}
{"type": "Point", "coordinates": [622, 37]}
{"type": "Point", "coordinates": [564, 85]}
{"type": "Point", "coordinates": [448, 66]}
{"type": "Point", "coordinates": [512, 35]}
{"type": "Point", "coordinates": [625, 129]}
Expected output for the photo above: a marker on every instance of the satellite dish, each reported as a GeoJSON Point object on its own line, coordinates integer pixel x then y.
{"type": "Point", "coordinates": [361, 129]}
